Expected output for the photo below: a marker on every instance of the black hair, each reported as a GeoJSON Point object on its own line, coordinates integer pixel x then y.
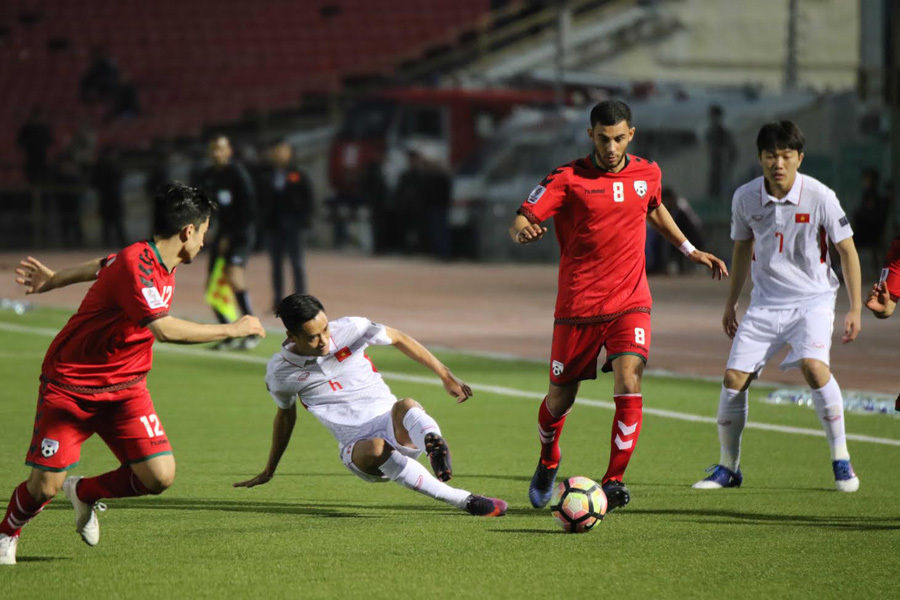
{"type": "Point", "coordinates": [610, 112]}
{"type": "Point", "coordinates": [780, 135]}
{"type": "Point", "coordinates": [177, 205]}
{"type": "Point", "coordinates": [297, 309]}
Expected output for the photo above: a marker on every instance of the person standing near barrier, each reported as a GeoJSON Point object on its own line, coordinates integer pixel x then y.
{"type": "Point", "coordinates": [229, 184]}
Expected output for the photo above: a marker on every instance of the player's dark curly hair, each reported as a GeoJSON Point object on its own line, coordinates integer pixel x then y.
{"type": "Point", "coordinates": [297, 309]}
{"type": "Point", "coordinates": [610, 112]}
{"type": "Point", "coordinates": [176, 205]}
{"type": "Point", "coordinates": [780, 135]}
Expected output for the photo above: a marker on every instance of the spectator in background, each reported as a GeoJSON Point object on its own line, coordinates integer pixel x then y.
{"type": "Point", "coordinates": [286, 197]}
{"type": "Point", "coordinates": [126, 103]}
{"type": "Point", "coordinates": [436, 198]}
{"type": "Point", "coordinates": [870, 217]}
{"type": "Point", "coordinates": [83, 147]}
{"type": "Point", "coordinates": [722, 154]}
{"type": "Point", "coordinates": [409, 202]}
{"type": "Point", "coordinates": [100, 82]}
{"type": "Point", "coordinates": [688, 222]}
{"type": "Point", "coordinates": [106, 178]}
{"type": "Point", "coordinates": [35, 139]}
{"type": "Point", "coordinates": [68, 190]}
{"type": "Point", "coordinates": [229, 184]}
{"type": "Point", "coordinates": [381, 206]}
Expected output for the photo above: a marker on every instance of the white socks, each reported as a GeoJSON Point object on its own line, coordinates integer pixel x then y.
{"type": "Point", "coordinates": [413, 475]}
{"type": "Point", "coordinates": [419, 424]}
{"type": "Point", "coordinates": [732, 417]}
{"type": "Point", "coordinates": [829, 404]}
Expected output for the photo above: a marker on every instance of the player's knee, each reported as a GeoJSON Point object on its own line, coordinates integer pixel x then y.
{"type": "Point", "coordinates": [737, 380]}
{"type": "Point", "coordinates": [401, 407]}
{"type": "Point", "coordinates": [157, 483]}
{"type": "Point", "coordinates": [369, 455]}
{"type": "Point", "coordinates": [815, 372]}
{"type": "Point", "coordinates": [44, 490]}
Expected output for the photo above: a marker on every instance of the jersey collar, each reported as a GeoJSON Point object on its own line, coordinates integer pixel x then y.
{"type": "Point", "coordinates": [792, 197]}
{"type": "Point", "coordinates": [152, 244]}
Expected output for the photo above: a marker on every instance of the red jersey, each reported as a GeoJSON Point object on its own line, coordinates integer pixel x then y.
{"type": "Point", "coordinates": [105, 350]}
{"type": "Point", "coordinates": [601, 226]}
{"type": "Point", "coordinates": [891, 273]}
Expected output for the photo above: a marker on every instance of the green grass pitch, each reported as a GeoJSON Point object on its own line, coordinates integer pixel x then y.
{"type": "Point", "coordinates": [317, 531]}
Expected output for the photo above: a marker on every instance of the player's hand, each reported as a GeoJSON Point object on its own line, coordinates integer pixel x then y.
{"type": "Point", "coordinates": [34, 275]}
{"type": "Point", "coordinates": [716, 265]}
{"type": "Point", "coordinates": [248, 325]}
{"type": "Point", "coordinates": [530, 233]}
{"type": "Point", "coordinates": [260, 479]}
{"type": "Point", "coordinates": [729, 321]}
{"type": "Point", "coordinates": [852, 326]}
{"type": "Point", "coordinates": [879, 301]}
{"type": "Point", "coordinates": [456, 388]}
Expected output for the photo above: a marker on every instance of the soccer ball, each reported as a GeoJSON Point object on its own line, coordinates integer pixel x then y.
{"type": "Point", "coordinates": [578, 503]}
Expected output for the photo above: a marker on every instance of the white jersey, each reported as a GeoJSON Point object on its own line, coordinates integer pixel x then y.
{"type": "Point", "coordinates": [342, 389]}
{"type": "Point", "coordinates": [790, 266]}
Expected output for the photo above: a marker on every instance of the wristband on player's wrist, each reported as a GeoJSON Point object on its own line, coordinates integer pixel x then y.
{"type": "Point", "coordinates": [686, 248]}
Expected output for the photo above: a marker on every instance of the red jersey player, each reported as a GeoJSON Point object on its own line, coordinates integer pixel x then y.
{"type": "Point", "coordinates": [883, 297]}
{"type": "Point", "coordinates": [93, 379]}
{"type": "Point", "coordinates": [600, 205]}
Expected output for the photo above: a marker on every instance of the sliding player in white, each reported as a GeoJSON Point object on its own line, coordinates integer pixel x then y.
{"type": "Point", "coordinates": [781, 224]}
{"type": "Point", "coordinates": [379, 437]}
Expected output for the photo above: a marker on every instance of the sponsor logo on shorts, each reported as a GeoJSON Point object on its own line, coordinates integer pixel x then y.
{"type": "Point", "coordinates": [818, 345]}
{"type": "Point", "coordinates": [597, 191]}
{"type": "Point", "coordinates": [757, 217]}
{"type": "Point", "coordinates": [536, 194]}
{"type": "Point", "coordinates": [558, 368]}
{"type": "Point", "coordinates": [640, 187]}
{"type": "Point", "coordinates": [49, 447]}
{"type": "Point", "coordinates": [844, 222]}
{"type": "Point", "coordinates": [159, 442]}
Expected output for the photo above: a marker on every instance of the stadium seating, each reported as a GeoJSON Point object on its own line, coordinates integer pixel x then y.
{"type": "Point", "coordinates": [200, 62]}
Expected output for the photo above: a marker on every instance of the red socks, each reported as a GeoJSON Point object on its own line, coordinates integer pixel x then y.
{"type": "Point", "coordinates": [121, 483]}
{"type": "Point", "coordinates": [22, 508]}
{"type": "Point", "coordinates": [625, 431]}
{"type": "Point", "coordinates": [549, 430]}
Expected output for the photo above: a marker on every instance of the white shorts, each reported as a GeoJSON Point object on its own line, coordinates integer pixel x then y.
{"type": "Point", "coordinates": [382, 427]}
{"type": "Point", "coordinates": [763, 332]}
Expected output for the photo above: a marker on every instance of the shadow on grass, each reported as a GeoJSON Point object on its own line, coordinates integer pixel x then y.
{"type": "Point", "coordinates": [40, 559]}
{"type": "Point", "coordinates": [315, 509]}
{"type": "Point", "coordinates": [556, 531]}
{"type": "Point", "coordinates": [733, 517]}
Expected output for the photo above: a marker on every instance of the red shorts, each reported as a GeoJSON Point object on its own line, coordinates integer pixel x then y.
{"type": "Point", "coordinates": [63, 421]}
{"type": "Point", "coordinates": [576, 347]}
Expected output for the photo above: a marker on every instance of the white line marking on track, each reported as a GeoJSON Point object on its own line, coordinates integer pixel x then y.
{"type": "Point", "coordinates": [490, 389]}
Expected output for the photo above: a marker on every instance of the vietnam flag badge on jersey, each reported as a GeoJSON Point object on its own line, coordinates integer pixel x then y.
{"type": "Point", "coordinates": [801, 218]}
{"type": "Point", "coordinates": [342, 354]}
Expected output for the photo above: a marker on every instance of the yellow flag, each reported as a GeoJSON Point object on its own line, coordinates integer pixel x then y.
{"type": "Point", "coordinates": [219, 294]}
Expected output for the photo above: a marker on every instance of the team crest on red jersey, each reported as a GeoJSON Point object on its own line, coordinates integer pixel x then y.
{"type": "Point", "coordinates": [640, 187]}
{"type": "Point", "coordinates": [342, 354]}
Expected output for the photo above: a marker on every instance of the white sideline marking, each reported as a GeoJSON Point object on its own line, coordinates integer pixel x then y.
{"type": "Point", "coordinates": [491, 389]}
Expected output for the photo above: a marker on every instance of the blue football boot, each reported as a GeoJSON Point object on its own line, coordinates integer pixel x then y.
{"type": "Point", "coordinates": [720, 477]}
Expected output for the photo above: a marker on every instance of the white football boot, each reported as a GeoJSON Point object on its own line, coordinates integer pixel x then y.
{"type": "Point", "coordinates": [86, 522]}
{"type": "Point", "coordinates": [8, 545]}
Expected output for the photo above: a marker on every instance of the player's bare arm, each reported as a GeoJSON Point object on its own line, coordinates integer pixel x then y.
{"type": "Point", "coordinates": [879, 301]}
{"type": "Point", "coordinates": [740, 268]}
{"type": "Point", "coordinates": [178, 331]}
{"type": "Point", "coordinates": [662, 221]}
{"type": "Point", "coordinates": [523, 231]}
{"type": "Point", "coordinates": [282, 428]}
{"type": "Point", "coordinates": [419, 353]}
{"type": "Point", "coordinates": [38, 278]}
{"type": "Point", "coordinates": [853, 280]}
